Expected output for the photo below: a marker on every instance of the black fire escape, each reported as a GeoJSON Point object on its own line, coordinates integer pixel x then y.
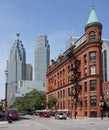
{"type": "Point", "coordinates": [75, 80]}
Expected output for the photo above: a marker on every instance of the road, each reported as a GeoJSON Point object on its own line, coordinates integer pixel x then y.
{"type": "Point", "coordinates": [39, 123]}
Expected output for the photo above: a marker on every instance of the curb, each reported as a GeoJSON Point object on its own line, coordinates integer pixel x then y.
{"type": "Point", "coordinates": [3, 122]}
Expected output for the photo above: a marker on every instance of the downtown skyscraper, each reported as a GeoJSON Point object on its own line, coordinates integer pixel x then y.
{"type": "Point", "coordinates": [16, 68]}
{"type": "Point", "coordinates": [105, 55]}
{"type": "Point", "coordinates": [42, 58]}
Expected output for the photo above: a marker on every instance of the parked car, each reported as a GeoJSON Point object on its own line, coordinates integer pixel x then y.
{"type": "Point", "coordinates": [60, 115]}
{"type": "Point", "coordinates": [21, 113]}
{"type": "Point", "coordinates": [14, 113]}
{"type": "Point", "coordinates": [2, 116]}
{"type": "Point", "coordinates": [44, 114]}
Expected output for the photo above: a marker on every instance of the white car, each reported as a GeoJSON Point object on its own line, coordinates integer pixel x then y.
{"type": "Point", "coordinates": [60, 115]}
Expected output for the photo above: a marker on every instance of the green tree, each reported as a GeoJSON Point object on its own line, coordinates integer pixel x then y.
{"type": "Point", "coordinates": [52, 102]}
{"type": "Point", "coordinates": [106, 107]}
{"type": "Point", "coordinates": [31, 101]}
{"type": "Point", "coordinates": [18, 105]}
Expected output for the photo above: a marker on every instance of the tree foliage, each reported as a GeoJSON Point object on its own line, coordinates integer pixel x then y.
{"type": "Point", "coordinates": [31, 101]}
{"type": "Point", "coordinates": [52, 102]}
{"type": "Point", "coordinates": [106, 106]}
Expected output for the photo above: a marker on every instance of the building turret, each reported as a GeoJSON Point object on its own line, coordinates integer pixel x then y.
{"type": "Point", "coordinates": [93, 27]}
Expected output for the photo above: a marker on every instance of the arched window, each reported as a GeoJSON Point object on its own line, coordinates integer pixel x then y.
{"type": "Point", "coordinates": [92, 36]}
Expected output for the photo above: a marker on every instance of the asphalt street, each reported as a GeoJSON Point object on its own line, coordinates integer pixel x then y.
{"type": "Point", "coordinates": [40, 123]}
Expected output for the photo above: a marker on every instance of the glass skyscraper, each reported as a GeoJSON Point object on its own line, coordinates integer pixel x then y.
{"type": "Point", "coordinates": [16, 68]}
{"type": "Point", "coordinates": [42, 58]}
{"type": "Point", "coordinates": [105, 54]}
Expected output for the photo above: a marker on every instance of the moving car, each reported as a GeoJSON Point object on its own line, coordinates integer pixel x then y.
{"type": "Point", "coordinates": [60, 115]}
{"type": "Point", "coordinates": [14, 113]}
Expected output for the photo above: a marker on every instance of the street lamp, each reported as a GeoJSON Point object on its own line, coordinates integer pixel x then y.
{"type": "Point", "coordinates": [75, 105]}
{"type": "Point", "coordinates": [101, 106]}
{"type": "Point", "coordinates": [6, 73]}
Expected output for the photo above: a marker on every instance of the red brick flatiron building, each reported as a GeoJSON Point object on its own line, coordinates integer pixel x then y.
{"type": "Point", "coordinates": [75, 78]}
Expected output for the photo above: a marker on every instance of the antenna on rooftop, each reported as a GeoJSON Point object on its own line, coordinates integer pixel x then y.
{"type": "Point", "coordinates": [93, 5]}
{"type": "Point", "coordinates": [17, 34]}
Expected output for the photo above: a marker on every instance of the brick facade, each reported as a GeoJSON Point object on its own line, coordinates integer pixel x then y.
{"type": "Point", "coordinates": [58, 79]}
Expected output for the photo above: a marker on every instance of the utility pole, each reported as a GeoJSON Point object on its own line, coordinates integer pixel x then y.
{"type": "Point", "coordinates": [101, 106]}
{"type": "Point", "coordinates": [6, 73]}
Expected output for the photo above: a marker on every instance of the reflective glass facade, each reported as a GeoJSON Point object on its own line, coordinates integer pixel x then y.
{"type": "Point", "coordinates": [105, 54]}
{"type": "Point", "coordinates": [16, 67]}
{"type": "Point", "coordinates": [42, 58]}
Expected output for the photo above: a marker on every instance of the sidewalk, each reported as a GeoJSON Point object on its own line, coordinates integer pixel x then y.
{"type": "Point", "coordinates": [3, 122]}
{"type": "Point", "coordinates": [89, 118]}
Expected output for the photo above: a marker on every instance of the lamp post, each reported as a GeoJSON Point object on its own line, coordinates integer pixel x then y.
{"type": "Point", "coordinates": [75, 106]}
{"type": "Point", "coordinates": [101, 106]}
{"type": "Point", "coordinates": [6, 73]}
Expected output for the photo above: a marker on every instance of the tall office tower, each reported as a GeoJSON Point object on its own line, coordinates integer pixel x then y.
{"type": "Point", "coordinates": [105, 54]}
{"type": "Point", "coordinates": [28, 72]}
{"type": "Point", "coordinates": [16, 68]}
{"type": "Point", "coordinates": [42, 58]}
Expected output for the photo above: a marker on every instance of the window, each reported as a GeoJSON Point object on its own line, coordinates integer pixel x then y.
{"type": "Point", "coordinates": [85, 71]}
{"type": "Point", "coordinates": [63, 82]}
{"type": "Point", "coordinates": [61, 94]}
{"type": "Point", "coordinates": [107, 99]}
{"type": "Point", "coordinates": [60, 83]}
{"type": "Point", "coordinates": [85, 86]}
{"type": "Point", "coordinates": [93, 114]}
{"type": "Point", "coordinates": [69, 79]}
{"type": "Point", "coordinates": [72, 89]}
{"type": "Point", "coordinates": [92, 69]}
{"type": "Point", "coordinates": [105, 65]}
{"type": "Point", "coordinates": [68, 69]}
{"type": "Point", "coordinates": [63, 72]}
{"type": "Point", "coordinates": [68, 91]}
{"type": "Point", "coordinates": [63, 104]}
{"type": "Point", "coordinates": [64, 93]}
{"type": "Point", "coordinates": [93, 85]}
{"type": "Point", "coordinates": [85, 59]}
{"type": "Point", "coordinates": [85, 102]}
{"type": "Point", "coordinates": [92, 56]}
{"type": "Point", "coordinates": [85, 113]}
{"type": "Point", "coordinates": [93, 101]}
{"type": "Point", "coordinates": [58, 94]}
{"type": "Point", "coordinates": [55, 82]}
{"type": "Point", "coordinates": [92, 36]}
{"type": "Point", "coordinates": [60, 74]}
{"type": "Point", "coordinates": [69, 104]}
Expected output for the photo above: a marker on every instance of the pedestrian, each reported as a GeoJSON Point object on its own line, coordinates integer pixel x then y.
{"type": "Point", "coordinates": [9, 118]}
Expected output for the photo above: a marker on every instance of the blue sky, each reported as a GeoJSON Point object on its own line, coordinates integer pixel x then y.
{"type": "Point", "coordinates": [56, 18]}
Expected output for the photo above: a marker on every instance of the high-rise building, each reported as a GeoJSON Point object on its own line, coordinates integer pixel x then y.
{"type": "Point", "coordinates": [42, 58]}
{"type": "Point", "coordinates": [28, 72]}
{"type": "Point", "coordinates": [16, 68]}
{"type": "Point", "coordinates": [105, 53]}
